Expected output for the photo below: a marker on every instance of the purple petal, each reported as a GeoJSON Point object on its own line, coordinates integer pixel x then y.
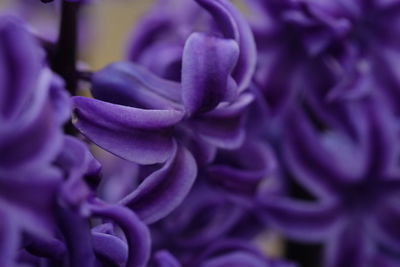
{"type": "Point", "coordinates": [136, 232]}
{"type": "Point", "coordinates": [9, 239]}
{"type": "Point", "coordinates": [301, 220]}
{"type": "Point", "coordinates": [165, 189]}
{"type": "Point", "coordinates": [164, 59]}
{"type": "Point", "coordinates": [203, 151]}
{"type": "Point", "coordinates": [20, 65]}
{"type": "Point", "coordinates": [128, 84]}
{"type": "Point", "coordinates": [235, 259]}
{"type": "Point", "coordinates": [224, 126]}
{"type": "Point", "coordinates": [31, 197]}
{"type": "Point", "coordinates": [138, 135]}
{"type": "Point", "coordinates": [119, 177]}
{"type": "Point", "coordinates": [311, 163]}
{"type": "Point", "coordinates": [38, 122]}
{"type": "Point", "coordinates": [164, 259]}
{"type": "Point", "coordinates": [60, 99]}
{"type": "Point", "coordinates": [110, 247]}
{"type": "Point", "coordinates": [381, 139]}
{"type": "Point", "coordinates": [226, 247]}
{"type": "Point", "coordinates": [206, 65]}
{"type": "Point", "coordinates": [243, 169]}
{"type": "Point", "coordinates": [349, 247]}
{"type": "Point", "coordinates": [224, 18]}
{"type": "Point", "coordinates": [235, 26]}
{"type": "Point", "coordinates": [46, 247]}
{"type": "Point", "coordinates": [77, 237]}
{"type": "Point", "coordinates": [385, 225]}
{"type": "Point", "coordinates": [279, 79]}
{"type": "Point", "coordinates": [76, 161]}
{"type": "Point", "coordinates": [205, 216]}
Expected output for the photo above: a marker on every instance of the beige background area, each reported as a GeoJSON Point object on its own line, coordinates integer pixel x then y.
{"type": "Point", "coordinates": [113, 21]}
{"type": "Point", "coordinates": [108, 22]}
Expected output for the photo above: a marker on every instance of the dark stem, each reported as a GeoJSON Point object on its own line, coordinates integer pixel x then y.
{"type": "Point", "coordinates": [64, 60]}
{"type": "Point", "coordinates": [65, 52]}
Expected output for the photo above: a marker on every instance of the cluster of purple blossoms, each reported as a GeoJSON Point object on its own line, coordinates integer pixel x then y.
{"type": "Point", "coordinates": [223, 123]}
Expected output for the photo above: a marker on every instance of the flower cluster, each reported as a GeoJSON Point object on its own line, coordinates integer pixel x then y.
{"type": "Point", "coordinates": [222, 124]}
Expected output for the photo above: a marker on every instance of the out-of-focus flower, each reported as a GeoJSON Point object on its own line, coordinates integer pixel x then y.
{"type": "Point", "coordinates": [45, 197]}
{"type": "Point", "coordinates": [370, 47]}
{"type": "Point", "coordinates": [293, 45]}
{"type": "Point", "coordinates": [353, 172]}
{"type": "Point", "coordinates": [32, 107]}
{"type": "Point", "coordinates": [224, 252]}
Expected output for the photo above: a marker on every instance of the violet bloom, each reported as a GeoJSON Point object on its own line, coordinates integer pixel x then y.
{"type": "Point", "coordinates": [33, 106]}
{"type": "Point", "coordinates": [77, 204]}
{"type": "Point", "coordinates": [160, 37]}
{"type": "Point", "coordinates": [145, 119]}
{"type": "Point", "coordinates": [371, 46]}
{"type": "Point", "coordinates": [351, 168]}
{"type": "Point", "coordinates": [45, 200]}
{"type": "Point", "coordinates": [293, 45]}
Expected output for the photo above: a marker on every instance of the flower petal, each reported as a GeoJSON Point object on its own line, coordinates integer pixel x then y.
{"type": "Point", "coordinates": [240, 171]}
{"type": "Point", "coordinates": [76, 161]}
{"type": "Point", "coordinates": [165, 259]}
{"type": "Point", "coordinates": [9, 239]}
{"type": "Point", "coordinates": [223, 127]}
{"type": "Point", "coordinates": [349, 247]}
{"type": "Point", "coordinates": [385, 225]}
{"type": "Point", "coordinates": [40, 121]}
{"type": "Point", "coordinates": [235, 26]}
{"type": "Point", "coordinates": [138, 135]}
{"type": "Point", "coordinates": [77, 237]}
{"type": "Point", "coordinates": [110, 247]}
{"type": "Point", "coordinates": [126, 83]}
{"type": "Point", "coordinates": [205, 216]}
{"type": "Point", "coordinates": [136, 232]}
{"type": "Point", "coordinates": [164, 190]}
{"type": "Point", "coordinates": [207, 63]}
{"type": "Point", "coordinates": [301, 220]}
{"type": "Point", "coordinates": [310, 162]}
{"type": "Point", "coordinates": [20, 65]}
{"type": "Point", "coordinates": [381, 139]}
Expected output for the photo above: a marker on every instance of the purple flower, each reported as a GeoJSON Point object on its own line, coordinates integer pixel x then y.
{"type": "Point", "coordinates": [165, 30]}
{"type": "Point", "coordinates": [294, 46]}
{"type": "Point", "coordinates": [370, 46]}
{"type": "Point", "coordinates": [145, 119]}
{"type": "Point", "coordinates": [33, 106]}
{"type": "Point", "coordinates": [351, 168]}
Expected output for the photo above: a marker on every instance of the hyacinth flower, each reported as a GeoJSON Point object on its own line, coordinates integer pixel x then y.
{"type": "Point", "coordinates": [45, 199]}
{"type": "Point", "coordinates": [32, 107]}
{"type": "Point", "coordinates": [165, 36]}
{"type": "Point", "coordinates": [101, 244]}
{"type": "Point", "coordinates": [352, 171]}
{"type": "Point", "coordinates": [370, 46]}
{"type": "Point", "coordinates": [148, 120]}
{"type": "Point", "coordinates": [220, 204]}
{"type": "Point", "coordinates": [294, 43]}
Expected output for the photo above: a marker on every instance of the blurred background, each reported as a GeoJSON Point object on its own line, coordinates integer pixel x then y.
{"type": "Point", "coordinates": [106, 26]}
